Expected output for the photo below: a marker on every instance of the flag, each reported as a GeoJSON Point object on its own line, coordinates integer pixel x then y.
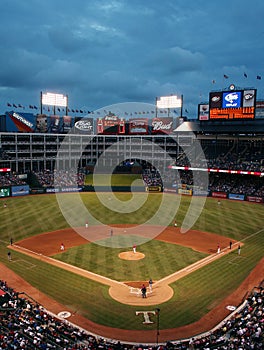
{"type": "Point", "coordinates": [245, 75]}
{"type": "Point", "coordinates": [258, 77]}
{"type": "Point", "coordinates": [226, 76]}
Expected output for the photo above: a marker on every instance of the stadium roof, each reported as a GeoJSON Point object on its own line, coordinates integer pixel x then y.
{"type": "Point", "coordinates": [226, 127]}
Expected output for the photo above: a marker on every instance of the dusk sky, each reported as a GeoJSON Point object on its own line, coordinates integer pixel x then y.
{"type": "Point", "coordinates": [107, 52]}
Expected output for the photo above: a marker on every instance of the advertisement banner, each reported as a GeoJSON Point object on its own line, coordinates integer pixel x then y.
{"type": "Point", "coordinates": [52, 190]}
{"type": "Point", "coordinates": [162, 125]}
{"type": "Point", "coordinates": [20, 122]}
{"type": "Point", "coordinates": [63, 189]}
{"type": "Point", "coordinates": [54, 124]}
{"type": "Point", "coordinates": [203, 111]}
{"type": "Point", "coordinates": [84, 125]}
{"type": "Point", "coordinates": [71, 189]}
{"type": "Point", "coordinates": [138, 126]}
{"type": "Point", "coordinates": [238, 197]}
{"type": "Point", "coordinates": [22, 190]}
{"type": "Point", "coordinates": [255, 199]}
{"type": "Point", "coordinates": [41, 123]}
{"type": "Point", "coordinates": [37, 190]}
{"type": "Point", "coordinates": [111, 125]}
{"type": "Point", "coordinates": [67, 123]}
{"type": "Point", "coordinates": [5, 192]}
{"type": "Point", "coordinates": [198, 192]}
{"type": "Point", "coordinates": [153, 188]}
{"type": "Point", "coordinates": [219, 194]}
{"type": "Point", "coordinates": [170, 190]}
{"type": "Point", "coordinates": [185, 192]}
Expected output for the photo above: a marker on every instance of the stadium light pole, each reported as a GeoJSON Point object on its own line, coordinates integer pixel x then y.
{"type": "Point", "coordinates": [158, 320]}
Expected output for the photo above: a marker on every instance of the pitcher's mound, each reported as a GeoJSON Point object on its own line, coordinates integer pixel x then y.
{"type": "Point", "coordinates": [131, 256]}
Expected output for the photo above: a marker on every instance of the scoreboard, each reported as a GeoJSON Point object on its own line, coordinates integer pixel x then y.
{"type": "Point", "coordinates": [232, 104]}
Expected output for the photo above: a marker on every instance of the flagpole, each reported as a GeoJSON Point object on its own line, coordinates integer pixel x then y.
{"type": "Point", "coordinates": [40, 102]}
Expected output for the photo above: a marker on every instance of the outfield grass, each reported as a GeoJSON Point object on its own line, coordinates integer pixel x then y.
{"type": "Point", "coordinates": [194, 295]}
{"type": "Point", "coordinates": [114, 179]}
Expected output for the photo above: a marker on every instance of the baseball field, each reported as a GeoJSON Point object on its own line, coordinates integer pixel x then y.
{"type": "Point", "coordinates": [96, 277]}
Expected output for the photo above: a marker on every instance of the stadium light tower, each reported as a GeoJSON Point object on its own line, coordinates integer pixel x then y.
{"type": "Point", "coordinates": [54, 100]}
{"type": "Point", "coordinates": [168, 102]}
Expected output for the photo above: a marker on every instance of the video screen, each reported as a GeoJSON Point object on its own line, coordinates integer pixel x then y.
{"type": "Point", "coordinates": [231, 105]}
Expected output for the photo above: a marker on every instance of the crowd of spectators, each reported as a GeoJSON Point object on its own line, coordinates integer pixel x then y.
{"type": "Point", "coordinates": [248, 185]}
{"type": "Point", "coordinates": [64, 178]}
{"type": "Point", "coordinates": [26, 325]}
{"type": "Point", "coordinates": [243, 331]}
{"type": "Point", "coordinates": [245, 158]}
{"type": "Point", "coordinates": [10, 179]}
{"type": "Point", "coordinates": [151, 177]}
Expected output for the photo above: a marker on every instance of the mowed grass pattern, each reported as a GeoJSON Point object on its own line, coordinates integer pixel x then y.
{"type": "Point", "coordinates": [194, 295]}
{"type": "Point", "coordinates": [161, 259]}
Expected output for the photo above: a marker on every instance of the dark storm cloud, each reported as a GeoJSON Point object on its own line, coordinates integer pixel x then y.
{"type": "Point", "coordinates": [105, 52]}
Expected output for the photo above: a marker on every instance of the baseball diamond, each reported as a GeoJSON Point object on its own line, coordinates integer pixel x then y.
{"type": "Point", "coordinates": [137, 229]}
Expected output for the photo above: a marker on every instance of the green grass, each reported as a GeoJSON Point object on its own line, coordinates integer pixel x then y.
{"type": "Point", "coordinates": [113, 179]}
{"type": "Point", "coordinates": [194, 295]}
{"type": "Point", "coordinates": [161, 259]}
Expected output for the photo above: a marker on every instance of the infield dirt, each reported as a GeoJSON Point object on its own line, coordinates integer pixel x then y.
{"type": "Point", "coordinates": [45, 245]}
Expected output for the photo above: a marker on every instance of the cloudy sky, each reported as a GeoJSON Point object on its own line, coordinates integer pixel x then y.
{"type": "Point", "coordinates": [113, 51]}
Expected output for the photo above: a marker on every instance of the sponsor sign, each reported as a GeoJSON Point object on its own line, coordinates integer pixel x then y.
{"type": "Point", "coordinates": [185, 192]}
{"type": "Point", "coordinates": [138, 126]}
{"type": "Point", "coordinates": [238, 197]}
{"type": "Point", "coordinates": [110, 124]}
{"type": "Point", "coordinates": [22, 190]}
{"type": "Point", "coordinates": [219, 194]}
{"type": "Point", "coordinates": [162, 125]}
{"type": "Point", "coordinates": [4, 192]}
{"type": "Point", "coordinates": [37, 190]}
{"type": "Point", "coordinates": [22, 121]}
{"type": "Point", "coordinates": [198, 192]}
{"type": "Point", "coordinates": [71, 189]}
{"type": "Point", "coordinates": [84, 125]}
{"type": "Point", "coordinates": [255, 199]}
{"type": "Point", "coordinates": [231, 99]}
{"type": "Point", "coordinates": [63, 189]}
{"type": "Point", "coordinates": [170, 190]}
{"type": "Point", "coordinates": [203, 111]}
{"type": "Point", "coordinates": [67, 123]}
{"type": "Point", "coordinates": [153, 188]}
{"type": "Point", "coordinates": [52, 190]}
{"type": "Point", "coordinates": [54, 126]}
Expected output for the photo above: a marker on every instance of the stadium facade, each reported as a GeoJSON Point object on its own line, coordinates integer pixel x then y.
{"type": "Point", "coordinates": [232, 121]}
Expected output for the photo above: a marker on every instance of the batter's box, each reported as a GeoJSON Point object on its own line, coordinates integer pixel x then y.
{"type": "Point", "coordinates": [26, 264]}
